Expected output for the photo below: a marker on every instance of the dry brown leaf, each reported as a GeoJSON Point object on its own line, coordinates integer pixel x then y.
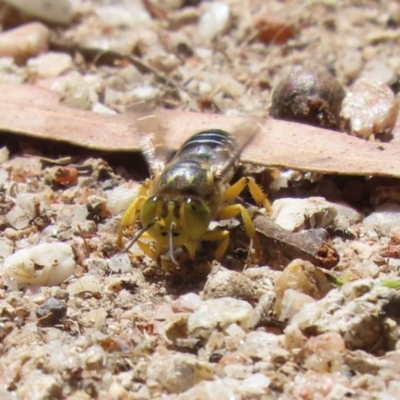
{"type": "Point", "coordinates": [36, 112]}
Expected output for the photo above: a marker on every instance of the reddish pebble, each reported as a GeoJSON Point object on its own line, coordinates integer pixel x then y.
{"type": "Point", "coordinates": [26, 41]}
{"type": "Point", "coordinates": [331, 341]}
{"type": "Point", "coordinates": [232, 358]}
{"type": "Point", "coordinates": [272, 29]}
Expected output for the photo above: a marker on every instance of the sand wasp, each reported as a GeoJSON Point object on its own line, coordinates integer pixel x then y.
{"type": "Point", "coordinates": [177, 204]}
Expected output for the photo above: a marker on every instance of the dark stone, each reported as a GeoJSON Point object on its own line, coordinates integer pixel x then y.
{"type": "Point", "coordinates": [51, 312]}
{"type": "Point", "coordinates": [311, 97]}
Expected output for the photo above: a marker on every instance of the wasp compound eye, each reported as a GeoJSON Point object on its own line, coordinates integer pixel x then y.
{"type": "Point", "coordinates": [149, 210]}
{"type": "Point", "coordinates": [196, 217]}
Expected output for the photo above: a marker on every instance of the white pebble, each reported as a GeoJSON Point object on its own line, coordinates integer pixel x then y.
{"type": "Point", "coordinates": [203, 52]}
{"type": "Point", "coordinates": [205, 88]}
{"type": "Point", "coordinates": [234, 330]}
{"type": "Point", "coordinates": [254, 385]}
{"type": "Point", "coordinates": [365, 269]}
{"type": "Point", "coordinates": [50, 65]}
{"type": "Point", "coordinates": [56, 11]}
{"type": "Point", "coordinates": [230, 86]}
{"type": "Point", "coordinates": [7, 64]}
{"type": "Point", "coordinates": [99, 108]}
{"type": "Point", "coordinates": [118, 392]}
{"type": "Point", "coordinates": [38, 385]}
{"type": "Point", "coordinates": [392, 391]}
{"type": "Point", "coordinates": [123, 44]}
{"type": "Point", "coordinates": [214, 21]}
{"type": "Point", "coordinates": [145, 93]}
{"type": "Point", "coordinates": [120, 263]}
{"type": "Point", "coordinates": [123, 16]}
{"type": "Point", "coordinates": [346, 216]}
{"type": "Point", "coordinates": [393, 265]}
{"type": "Point", "coordinates": [119, 198]}
{"type": "Point", "coordinates": [350, 64]}
{"type": "Point", "coordinates": [87, 283]}
{"type": "Point", "coordinates": [77, 91]}
{"type": "Point", "coordinates": [4, 154]}
{"type": "Point", "coordinates": [18, 218]}
{"type": "Point", "coordinates": [259, 344]}
{"type": "Point", "coordinates": [237, 371]}
{"type": "Point", "coordinates": [178, 372]}
{"type": "Point", "coordinates": [221, 313]}
{"type": "Point", "coordinates": [94, 357]}
{"type": "Point", "coordinates": [221, 389]}
{"type": "Point", "coordinates": [4, 176]}
{"type": "Point", "coordinates": [371, 108]}
{"type": "Point", "coordinates": [378, 71]}
{"type": "Point", "coordinates": [384, 219]}
{"type": "Point", "coordinates": [292, 302]}
{"type": "Point", "coordinates": [295, 214]}
{"type": "Point", "coordinates": [46, 264]}
{"type": "Point", "coordinates": [80, 214]}
{"type": "Point", "coordinates": [28, 201]}
{"type": "Point", "coordinates": [187, 303]}
{"type": "Point", "coordinates": [6, 248]}
{"type": "Point", "coordinates": [226, 83]}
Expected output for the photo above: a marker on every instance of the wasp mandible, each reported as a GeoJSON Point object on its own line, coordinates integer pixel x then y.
{"type": "Point", "coordinates": [182, 197]}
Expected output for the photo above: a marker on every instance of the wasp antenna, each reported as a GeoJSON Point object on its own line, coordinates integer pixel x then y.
{"type": "Point", "coordinates": [171, 245]}
{"type": "Point", "coordinates": [138, 234]}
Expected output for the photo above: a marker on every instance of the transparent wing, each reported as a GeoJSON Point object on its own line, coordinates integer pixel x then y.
{"type": "Point", "coordinates": [153, 138]}
{"type": "Point", "coordinates": [243, 135]}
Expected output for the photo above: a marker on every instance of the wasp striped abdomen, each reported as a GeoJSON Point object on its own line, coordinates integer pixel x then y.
{"type": "Point", "coordinates": [214, 147]}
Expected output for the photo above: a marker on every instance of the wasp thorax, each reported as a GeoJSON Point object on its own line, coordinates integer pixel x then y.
{"type": "Point", "coordinates": [190, 178]}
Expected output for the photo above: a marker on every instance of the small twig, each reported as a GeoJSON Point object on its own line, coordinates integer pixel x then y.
{"type": "Point", "coordinates": [11, 193]}
{"type": "Point", "coordinates": [87, 248]}
{"type": "Point", "coordinates": [60, 161]}
{"type": "Point", "coordinates": [312, 245]}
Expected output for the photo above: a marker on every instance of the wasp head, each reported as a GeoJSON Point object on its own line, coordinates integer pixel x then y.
{"type": "Point", "coordinates": [174, 222]}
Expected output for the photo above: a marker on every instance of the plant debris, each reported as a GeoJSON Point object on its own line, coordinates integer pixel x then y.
{"type": "Point", "coordinates": [312, 245]}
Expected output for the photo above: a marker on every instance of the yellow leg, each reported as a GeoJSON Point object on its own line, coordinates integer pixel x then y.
{"type": "Point", "coordinates": [129, 217]}
{"type": "Point", "coordinates": [147, 250]}
{"type": "Point", "coordinates": [154, 254]}
{"type": "Point", "coordinates": [146, 235]}
{"type": "Point", "coordinates": [256, 192]}
{"type": "Point", "coordinates": [232, 211]}
{"type": "Point", "coordinates": [215, 236]}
